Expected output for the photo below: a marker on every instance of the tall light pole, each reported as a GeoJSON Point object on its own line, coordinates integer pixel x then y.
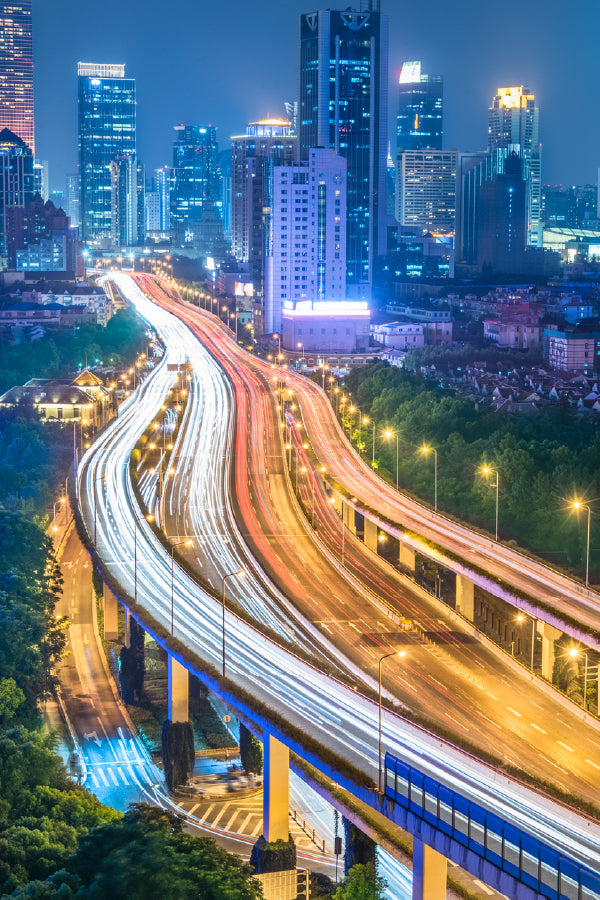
{"type": "Point", "coordinates": [135, 527]}
{"type": "Point", "coordinates": [61, 500]}
{"type": "Point", "coordinates": [381, 659]}
{"type": "Point", "coordinates": [240, 573]}
{"type": "Point", "coordinates": [521, 618]}
{"type": "Point", "coordinates": [188, 543]}
{"type": "Point", "coordinates": [434, 451]}
{"type": "Point", "coordinates": [487, 471]}
{"type": "Point", "coordinates": [577, 505]}
{"type": "Point", "coordinates": [388, 435]}
{"type": "Point", "coordinates": [373, 443]}
{"type": "Point", "coordinates": [573, 652]}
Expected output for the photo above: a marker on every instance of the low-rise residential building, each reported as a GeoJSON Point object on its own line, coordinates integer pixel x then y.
{"type": "Point", "coordinates": [516, 333]}
{"type": "Point", "coordinates": [85, 399]}
{"type": "Point", "coordinates": [399, 335]}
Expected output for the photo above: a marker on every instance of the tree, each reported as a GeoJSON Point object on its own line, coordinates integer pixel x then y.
{"type": "Point", "coordinates": [251, 753]}
{"type": "Point", "coordinates": [362, 883]}
{"type": "Point", "coordinates": [359, 848]}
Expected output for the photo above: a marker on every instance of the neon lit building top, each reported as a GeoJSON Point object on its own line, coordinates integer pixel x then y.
{"type": "Point", "coordinates": [513, 119]}
{"type": "Point", "coordinates": [16, 69]}
{"type": "Point", "coordinates": [268, 128]}
{"type": "Point", "coordinates": [420, 109]}
{"type": "Point", "coordinates": [101, 70]}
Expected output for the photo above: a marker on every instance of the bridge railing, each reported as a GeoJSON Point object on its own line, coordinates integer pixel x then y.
{"type": "Point", "coordinates": [529, 860]}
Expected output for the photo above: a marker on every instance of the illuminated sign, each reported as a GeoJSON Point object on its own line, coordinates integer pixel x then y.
{"type": "Point", "coordinates": [411, 72]}
{"type": "Point", "coordinates": [244, 289]}
{"type": "Point", "coordinates": [326, 308]}
{"type": "Point", "coordinates": [210, 264]}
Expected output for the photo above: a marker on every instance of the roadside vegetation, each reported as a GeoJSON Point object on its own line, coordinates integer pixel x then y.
{"type": "Point", "coordinates": [542, 464]}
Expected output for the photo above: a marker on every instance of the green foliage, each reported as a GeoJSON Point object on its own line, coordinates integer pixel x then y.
{"type": "Point", "coordinates": [177, 752]}
{"type": "Point", "coordinates": [251, 752]}
{"type": "Point", "coordinates": [362, 883]}
{"type": "Point", "coordinates": [359, 848]}
{"type": "Point", "coordinates": [147, 856]}
{"type": "Point", "coordinates": [542, 463]}
{"type": "Point", "coordinates": [57, 355]}
{"type": "Point", "coordinates": [11, 698]}
{"type": "Point", "coordinates": [273, 856]}
{"type": "Point", "coordinates": [31, 638]}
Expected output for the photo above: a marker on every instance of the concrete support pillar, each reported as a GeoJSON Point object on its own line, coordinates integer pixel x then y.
{"type": "Point", "coordinates": [127, 634]}
{"type": "Point", "coordinates": [407, 557]}
{"type": "Point", "coordinates": [276, 790]}
{"type": "Point", "coordinates": [111, 615]}
{"type": "Point", "coordinates": [349, 517]}
{"type": "Point", "coordinates": [430, 871]}
{"type": "Point", "coordinates": [179, 710]}
{"type": "Point", "coordinates": [371, 535]}
{"type": "Point", "coordinates": [465, 597]}
{"type": "Point", "coordinates": [549, 636]}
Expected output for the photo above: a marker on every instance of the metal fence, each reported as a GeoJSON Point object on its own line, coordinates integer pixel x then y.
{"type": "Point", "coordinates": [535, 864]}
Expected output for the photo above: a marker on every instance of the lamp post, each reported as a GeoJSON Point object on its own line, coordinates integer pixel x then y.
{"type": "Point", "coordinates": [521, 618]}
{"type": "Point", "coordinates": [373, 463]}
{"type": "Point", "coordinates": [381, 659]}
{"type": "Point", "coordinates": [137, 519]}
{"type": "Point", "coordinates": [188, 543]}
{"type": "Point", "coordinates": [434, 451]}
{"type": "Point", "coordinates": [487, 471]}
{"type": "Point", "coordinates": [61, 500]}
{"type": "Point", "coordinates": [574, 651]}
{"type": "Point", "coordinates": [388, 435]}
{"type": "Point", "coordinates": [240, 573]}
{"type": "Point", "coordinates": [577, 505]}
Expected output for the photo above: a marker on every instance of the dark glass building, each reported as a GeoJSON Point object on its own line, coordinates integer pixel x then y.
{"type": "Point", "coordinates": [195, 180]}
{"type": "Point", "coordinates": [16, 70]}
{"type": "Point", "coordinates": [420, 109]}
{"type": "Point", "coordinates": [16, 182]}
{"type": "Point", "coordinates": [503, 218]}
{"type": "Point", "coordinates": [106, 131]}
{"type": "Point", "coordinates": [343, 105]}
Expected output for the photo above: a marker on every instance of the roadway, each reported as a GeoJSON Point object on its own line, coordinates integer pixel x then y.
{"type": "Point", "coordinates": [449, 678]}
{"type": "Point", "coordinates": [320, 705]}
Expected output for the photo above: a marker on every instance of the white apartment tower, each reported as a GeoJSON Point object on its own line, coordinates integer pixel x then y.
{"type": "Point", "coordinates": [305, 255]}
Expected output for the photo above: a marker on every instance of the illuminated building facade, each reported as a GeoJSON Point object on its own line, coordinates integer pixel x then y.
{"type": "Point", "coordinates": [426, 189]}
{"type": "Point", "coordinates": [16, 70]}
{"type": "Point", "coordinates": [343, 105]}
{"type": "Point", "coordinates": [106, 101]}
{"type": "Point", "coordinates": [127, 201]}
{"type": "Point", "coordinates": [254, 157]}
{"type": "Point", "coordinates": [161, 185]}
{"type": "Point", "coordinates": [16, 182]}
{"type": "Point", "coordinates": [306, 242]}
{"type": "Point", "coordinates": [513, 127]}
{"type": "Point", "coordinates": [195, 182]}
{"type": "Point", "coordinates": [420, 109]}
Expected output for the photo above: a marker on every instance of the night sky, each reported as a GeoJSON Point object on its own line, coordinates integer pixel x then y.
{"type": "Point", "coordinates": [230, 62]}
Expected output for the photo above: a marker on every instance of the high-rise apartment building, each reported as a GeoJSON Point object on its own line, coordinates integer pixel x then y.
{"type": "Point", "coordinates": [73, 202]}
{"type": "Point", "coordinates": [106, 101]}
{"type": "Point", "coordinates": [426, 189]}
{"type": "Point", "coordinates": [513, 127]}
{"type": "Point", "coordinates": [127, 201]}
{"type": "Point", "coordinates": [16, 182]}
{"type": "Point", "coordinates": [195, 183]}
{"type": "Point", "coordinates": [40, 174]}
{"type": "Point", "coordinates": [420, 122]}
{"type": "Point", "coordinates": [161, 185]}
{"type": "Point", "coordinates": [343, 105]}
{"type": "Point", "coordinates": [306, 240]}
{"type": "Point", "coordinates": [16, 70]}
{"type": "Point", "coordinates": [254, 155]}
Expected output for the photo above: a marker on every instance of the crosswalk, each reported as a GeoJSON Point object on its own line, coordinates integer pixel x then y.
{"type": "Point", "coordinates": [117, 775]}
{"type": "Point", "coordinates": [244, 817]}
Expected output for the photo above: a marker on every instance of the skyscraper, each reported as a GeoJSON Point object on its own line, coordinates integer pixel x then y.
{"type": "Point", "coordinates": [127, 201]}
{"type": "Point", "coordinates": [16, 70]}
{"type": "Point", "coordinates": [343, 105]}
{"type": "Point", "coordinates": [426, 189]}
{"type": "Point", "coordinates": [161, 184]}
{"type": "Point", "coordinates": [306, 240]}
{"type": "Point", "coordinates": [195, 182]}
{"type": "Point", "coordinates": [106, 131]}
{"type": "Point", "coordinates": [420, 109]}
{"type": "Point", "coordinates": [266, 144]}
{"type": "Point", "coordinates": [16, 182]}
{"type": "Point", "coordinates": [513, 124]}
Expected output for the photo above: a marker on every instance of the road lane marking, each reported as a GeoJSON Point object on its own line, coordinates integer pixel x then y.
{"type": "Point", "coordinates": [256, 829]}
{"type": "Point", "coordinates": [193, 809]}
{"type": "Point", "coordinates": [123, 775]}
{"type": "Point", "coordinates": [113, 777]}
{"type": "Point", "coordinates": [537, 728]}
{"type": "Point", "coordinates": [221, 814]}
{"type": "Point", "coordinates": [103, 777]}
{"type": "Point", "coordinates": [207, 812]}
{"type": "Point", "coordinates": [513, 711]}
{"type": "Point", "coordinates": [593, 764]}
{"type": "Point", "coordinates": [570, 749]}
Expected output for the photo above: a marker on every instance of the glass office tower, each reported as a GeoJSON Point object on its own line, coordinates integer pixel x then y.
{"type": "Point", "coordinates": [195, 180]}
{"type": "Point", "coordinates": [16, 182]}
{"type": "Point", "coordinates": [420, 109]}
{"type": "Point", "coordinates": [16, 70]}
{"type": "Point", "coordinates": [106, 131]}
{"type": "Point", "coordinates": [343, 105]}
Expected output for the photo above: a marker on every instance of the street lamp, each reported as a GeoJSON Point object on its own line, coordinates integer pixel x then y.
{"type": "Point", "coordinates": [187, 543]}
{"type": "Point", "coordinates": [240, 573]}
{"type": "Point", "coordinates": [388, 435]}
{"type": "Point", "coordinates": [61, 500]}
{"type": "Point", "coordinates": [573, 652]}
{"type": "Point", "coordinates": [577, 505]}
{"type": "Point", "coordinates": [487, 471]}
{"type": "Point", "coordinates": [521, 618]}
{"type": "Point", "coordinates": [434, 451]}
{"type": "Point", "coordinates": [381, 659]}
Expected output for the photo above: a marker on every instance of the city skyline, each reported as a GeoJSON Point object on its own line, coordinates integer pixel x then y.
{"type": "Point", "coordinates": [211, 82]}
